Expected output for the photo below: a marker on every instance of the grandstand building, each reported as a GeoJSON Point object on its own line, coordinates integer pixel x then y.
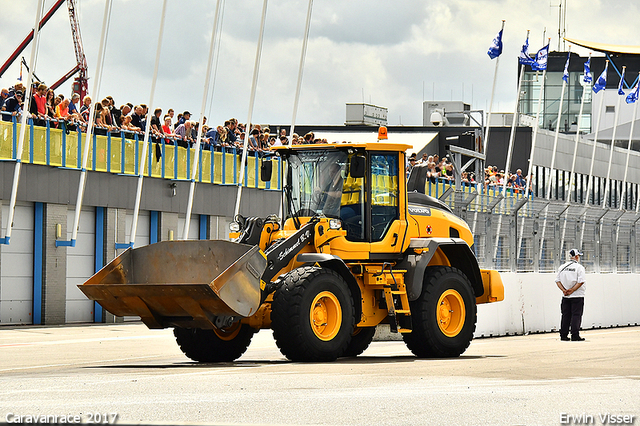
{"type": "Point", "coordinates": [514, 231]}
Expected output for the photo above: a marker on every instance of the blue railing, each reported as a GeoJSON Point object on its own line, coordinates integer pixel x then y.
{"type": "Point", "coordinates": [60, 144]}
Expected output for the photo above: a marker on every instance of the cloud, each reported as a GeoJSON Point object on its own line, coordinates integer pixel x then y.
{"type": "Point", "coordinates": [391, 53]}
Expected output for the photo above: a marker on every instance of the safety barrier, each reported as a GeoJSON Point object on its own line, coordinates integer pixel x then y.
{"type": "Point", "coordinates": [532, 304]}
{"type": "Point", "coordinates": [121, 154]}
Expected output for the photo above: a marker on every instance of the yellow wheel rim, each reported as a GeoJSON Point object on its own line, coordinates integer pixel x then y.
{"type": "Point", "coordinates": [325, 316]}
{"type": "Point", "coordinates": [228, 333]}
{"type": "Point", "coordinates": [450, 313]}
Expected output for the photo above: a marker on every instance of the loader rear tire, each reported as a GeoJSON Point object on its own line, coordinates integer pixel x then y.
{"type": "Point", "coordinates": [444, 316]}
{"type": "Point", "coordinates": [312, 315]}
{"type": "Point", "coordinates": [214, 345]}
{"type": "Point", "coordinates": [360, 341]}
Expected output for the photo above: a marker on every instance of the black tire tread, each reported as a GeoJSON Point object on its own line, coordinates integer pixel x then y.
{"type": "Point", "coordinates": [425, 341]}
{"type": "Point", "coordinates": [286, 313]}
{"type": "Point", "coordinates": [360, 341]}
{"type": "Point", "coordinates": [203, 345]}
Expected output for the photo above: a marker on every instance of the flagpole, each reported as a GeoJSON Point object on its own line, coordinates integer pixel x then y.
{"type": "Point", "coordinates": [553, 158]}
{"type": "Point", "coordinates": [555, 138]}
{"type": "Point", "coordinates": [613, 140]}
{"type": "Point", "coordinates": [493, 91]}
{"type": "Point", "coordinates": [196, 156]}
{"type": "Point", "coordinates": [300, 69]}
{"type": "Point", "coordinates": [593, 153]}
{"type": "Point", "coordinates": [90, 127]}
{"type": "Point", "coordinates": [147, 129]}
{"type": "Point", "coordinates": [573, 162]}
{"type": "Point", "coordinates": [533, 148]}
{"type": "Point", "coordinates": [512, 135]}
{"type": "Point", "coordinates": [535, 134]}
{"type": "Point", "coordinates": [23, 122]}
{"type": "Point", "coordinates": [256, 69]}
{"type": "Point", "coordinates": [626, 167]}
{"type": "Point", "coordinates": [577, 139]}
{"type": "Point", "coordinates": [509, 152]}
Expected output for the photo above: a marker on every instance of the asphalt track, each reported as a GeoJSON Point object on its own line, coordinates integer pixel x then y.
{"type": "Point", "coordinates": [142, 376]}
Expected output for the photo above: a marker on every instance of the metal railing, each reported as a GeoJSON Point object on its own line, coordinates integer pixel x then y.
{"type": "Point", "coordinates": [513, 233]}
{"type": "Point", "coordinates": [120, 152]}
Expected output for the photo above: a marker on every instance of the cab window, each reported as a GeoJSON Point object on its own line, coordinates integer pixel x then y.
{"type": "Point", "coordinates": [384, 193]}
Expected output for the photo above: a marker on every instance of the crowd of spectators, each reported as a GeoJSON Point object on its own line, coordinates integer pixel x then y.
{"type": "Point", "coordinates": [71, 114]}
{"type": "Point", "coordinates": [180, 129]}
{"type": "Point", "coordinates": [441, 169]}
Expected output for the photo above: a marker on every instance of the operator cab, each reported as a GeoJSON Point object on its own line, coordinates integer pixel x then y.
{"type": "Point", "coordinates": [360, 187]}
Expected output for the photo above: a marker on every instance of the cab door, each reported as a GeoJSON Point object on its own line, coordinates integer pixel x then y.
{"type": "Point", "coordinates": [372, 210]}
{"type": "Point", "coordinates": [387, 218]}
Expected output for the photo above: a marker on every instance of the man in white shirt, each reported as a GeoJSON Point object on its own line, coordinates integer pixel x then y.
{"type": "Point", "coordinates": [571, 281]}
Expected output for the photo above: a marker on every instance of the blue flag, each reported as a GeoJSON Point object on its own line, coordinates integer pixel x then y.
{"type": "Point", "coordinates": [565, 75]}
{"type": "Point", "coordinates": [601, 82]}
{"type": "Point", "coordinates": [620, 91]}
{"type": "Point", "coordinates": [588, 78]}
{"type": "Point", "coordinates": [540, 63]}
{"type": "Point", "coordinates": [525, 58]}
{"type": "Point", "coordinates": [496, 46]}
{"type": "Point", "coordinates": [633, 96]}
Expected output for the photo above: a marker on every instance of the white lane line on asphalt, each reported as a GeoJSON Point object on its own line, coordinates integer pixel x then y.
{"type": "Point", "coordinates": [590, 332]}
{"type": "Point", "coordinates": [97, 361]}
{"type": "Point", "coordinates": [95, 339]}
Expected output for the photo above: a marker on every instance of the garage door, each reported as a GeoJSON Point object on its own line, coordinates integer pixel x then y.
{"type": "Point", "coordinates": [142, 230]}
{"type": "Point", "coordinates": [194, 227]}
{"type": "Point", "coordinates": [80, 266]}
{"type": "Point", "coordinates": [16, 267]}
{"type": "Point", "coordinates": [142, 238]}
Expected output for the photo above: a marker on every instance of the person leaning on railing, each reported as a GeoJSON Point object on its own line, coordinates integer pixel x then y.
{"type": "Point", "coordinates": [166, 128]}
{"type": "Point", "coordinates": [50, 105]}
{"type": "Point", "coordinates": [126, 124]}
{"type": "Point", "coordinates": [84, 109]}
{"type": "Point", "coordinates": [38, 105]}
{"type": "Point", "coordinates": [183, 132]}
{"type": "Point", "coordinates": [12, 106]}
{"type": "Point", "coordinates": [4, 95]}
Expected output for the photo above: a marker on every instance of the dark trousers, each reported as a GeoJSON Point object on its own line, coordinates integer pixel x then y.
{"type": "Point", "coordinates": [571, 308]}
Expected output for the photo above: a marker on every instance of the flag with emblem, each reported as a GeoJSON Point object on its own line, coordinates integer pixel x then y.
{"type": "Point", "coordinates": [540, 63]}
{"type": "Point", "coordinates": [565, 75]}
{"type": "Point", "coordinates": [496, 46]}
{"type": "Point", "coordinates": [588, 78]}
{"type": "Point", "coordinates": [620, 90]}
{"type": "Point", "coordinates": [601, 82]}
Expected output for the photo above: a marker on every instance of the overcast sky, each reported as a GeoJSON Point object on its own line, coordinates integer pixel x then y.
{"type": "Point", "coordinates": [393, 54]}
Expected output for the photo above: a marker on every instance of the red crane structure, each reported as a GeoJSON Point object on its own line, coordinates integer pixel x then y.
{"type": "Point", "coordinates": [80, 83]}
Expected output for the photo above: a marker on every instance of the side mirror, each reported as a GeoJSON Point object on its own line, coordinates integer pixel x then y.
{"type": "Point", "coordinates": [357, 167]}
{"type": "Point", "coordinates": [266, 170]}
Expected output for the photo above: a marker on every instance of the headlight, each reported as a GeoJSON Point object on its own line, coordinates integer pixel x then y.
{"type": "Point", "coordinates": [335, 224]}
{"type": "Point", "coordinates": [234, 227]}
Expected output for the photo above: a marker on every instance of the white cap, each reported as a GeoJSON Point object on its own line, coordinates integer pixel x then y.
{"type": "Point", "coordinates": [575, 252]}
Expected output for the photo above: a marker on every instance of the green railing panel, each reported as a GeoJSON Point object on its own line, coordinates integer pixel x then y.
{"type": "Point", "coordinates": [58, 148]}
{"type": "Point", "coordinates": [6, 140]}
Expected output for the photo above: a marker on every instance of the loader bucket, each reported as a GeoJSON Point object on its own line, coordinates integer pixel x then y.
{"type": "Point", "coordinates": [181, 283]}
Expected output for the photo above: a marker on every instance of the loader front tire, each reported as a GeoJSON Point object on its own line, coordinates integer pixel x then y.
{"type": "Point", "coordinates": [444, 316]}
{"type": "Point", "coordinates": [214, 345]}
{"type": "Point", "coordinates": [360, 341]}
{"type": "Point", "coordinates": [312, 315]}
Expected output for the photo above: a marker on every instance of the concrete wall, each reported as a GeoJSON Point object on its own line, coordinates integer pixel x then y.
{"type": "Point", "coordinates": [532, 304]}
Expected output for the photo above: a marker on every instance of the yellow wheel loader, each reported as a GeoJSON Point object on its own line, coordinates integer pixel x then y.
{"type": "Point", "coordinates": [354, 249]}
